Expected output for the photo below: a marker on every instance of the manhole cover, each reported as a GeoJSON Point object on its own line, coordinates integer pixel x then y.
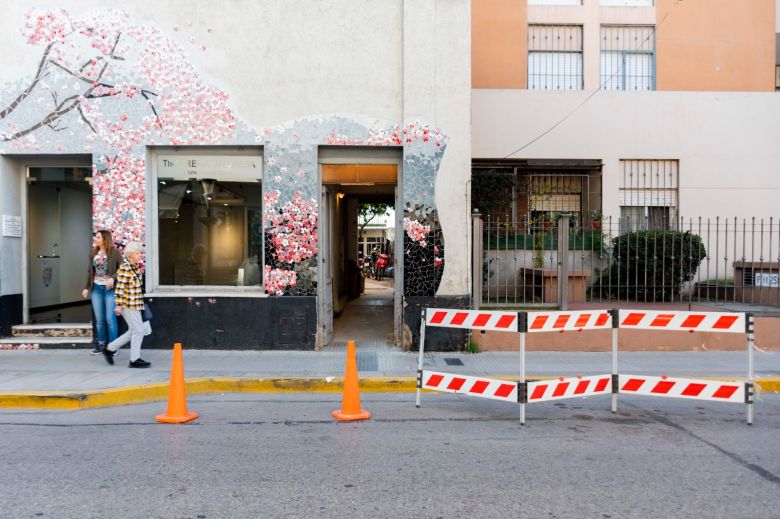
{"type": "Point", "coordinates": [367, 361]}
{"type": "Point", "coordinates": [451, 361]}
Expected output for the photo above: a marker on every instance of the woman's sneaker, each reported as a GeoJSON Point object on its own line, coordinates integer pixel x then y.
{"type": "Point", "coordinates": [98, 350]}
{"type": "Point", "coordinates": [139, 363]}
{"type": "Point", "coordinates": [108, 355]}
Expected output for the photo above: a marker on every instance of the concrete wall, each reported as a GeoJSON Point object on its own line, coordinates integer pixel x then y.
{"type": "Point", "coordinates": [11, 184]}
{"type": "Point", "coordinates": [716, 45]}
{"type": "Point", "coordinates": [726, 142]}
{"type": "Point", "coordinates": [499, 44]}
{"type": "Point", "coordinates": [396, 60]}
{"type": "Point", "coordinates": [710, 45]}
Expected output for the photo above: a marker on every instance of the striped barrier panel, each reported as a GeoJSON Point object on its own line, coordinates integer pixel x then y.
{"type": "Point", "coordinates": [472, 319]}
{"type": "Point", "coordinates": [569, 321]}
{"type": "Point", "coordinates": [737, 392]}
{"type": "Point", "coordinates": [719, 322]}
{"type": "Point", "coordinates": [471, 386]}
{"type": "Point", "coordinates": [571, 387]}
{"type": "Point", "coordinates": [482, 320]}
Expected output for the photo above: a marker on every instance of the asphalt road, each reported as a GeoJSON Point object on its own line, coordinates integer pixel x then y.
{"type": "Point", "coordinates": [281, 455]}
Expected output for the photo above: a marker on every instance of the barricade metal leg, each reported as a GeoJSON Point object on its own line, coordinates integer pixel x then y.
{"type": "Point", "coordinates": [420, 359]}
{"type": "Point", "coordinates": [749, 389]}
{"type": "Point", "coordinates": [522, 378]}
{"type": "Point", "coordinates": [614, 369]}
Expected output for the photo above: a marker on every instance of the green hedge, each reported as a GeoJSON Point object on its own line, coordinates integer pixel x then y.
{"type": "Point", "coordinates": [548, 240]}
{"type": "Point", "coordinates": [650, 265]}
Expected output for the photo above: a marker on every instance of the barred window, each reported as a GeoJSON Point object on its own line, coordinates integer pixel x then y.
{"type": "Point", "coordinates": [648, 194]}
{"type": "Point", "coordinates": [628, 57]}
{"type": "Point", "coordinates": [555, 57]}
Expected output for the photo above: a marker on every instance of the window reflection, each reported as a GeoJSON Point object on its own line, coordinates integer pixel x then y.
{"type": "Point", "coordinates": [210, 232]}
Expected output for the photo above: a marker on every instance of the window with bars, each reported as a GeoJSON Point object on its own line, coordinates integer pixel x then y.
{"type": "Point", "coordinates": [555, 57]}
{"type": "Point", "coordinates": [648, 194]}
{"type": "Point", "coordinates": [627, 57]}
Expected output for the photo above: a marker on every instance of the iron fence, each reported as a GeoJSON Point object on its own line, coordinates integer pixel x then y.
{"type": "Point", "coordinates": [648, 260]}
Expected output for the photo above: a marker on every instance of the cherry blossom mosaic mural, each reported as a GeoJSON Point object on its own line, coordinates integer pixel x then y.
{"type": "Point", "coordinates": [107, 86]}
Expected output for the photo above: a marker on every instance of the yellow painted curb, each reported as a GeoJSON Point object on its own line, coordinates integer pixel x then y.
{"type": "Point", "coordinates": [195, 386]}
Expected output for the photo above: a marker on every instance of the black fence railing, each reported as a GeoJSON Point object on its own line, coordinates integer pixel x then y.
{"type": "Point", "coordinates": [649, 260]}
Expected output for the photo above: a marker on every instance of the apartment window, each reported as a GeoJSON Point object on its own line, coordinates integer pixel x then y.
{"type": "Point", "coordinates": [629, 3]}
{"type": "Point", "coordinates": [209, 220]}
{"type": "Point", "coordinates": [648, 194]}
{"type": "Point", "coordinates": [555, 57]}
{"type": "Point", "coordinates": [628, 57]}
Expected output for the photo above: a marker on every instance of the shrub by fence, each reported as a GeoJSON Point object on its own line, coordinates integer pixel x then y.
{"type": "Point", "coordinates": [650, 266]}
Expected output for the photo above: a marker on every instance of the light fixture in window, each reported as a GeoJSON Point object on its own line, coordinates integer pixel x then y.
{"type": "Point", "coordinates": [208, 187]}
{"type": "Point", "coordinates": [340, 194]}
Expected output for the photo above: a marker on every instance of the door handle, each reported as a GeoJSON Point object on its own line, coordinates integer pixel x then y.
{"type": "Point", "coordinates": [47, 257]}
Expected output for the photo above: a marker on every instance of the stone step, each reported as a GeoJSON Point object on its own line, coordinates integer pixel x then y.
{"type": "Point", "coordinates": [34, 343]}
{"type": "Point", "coordinates": [52, 330]}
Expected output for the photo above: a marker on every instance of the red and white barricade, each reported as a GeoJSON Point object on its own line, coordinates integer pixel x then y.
{"type": "Point", "coordinates": [716, 322]}
{"type": "Point", "coordinates": [472, 319]}
{"type": "Point", "coordinates": [673, 387]}
{"type": "Point", "coordinates": [466, 385]}
{"type": "Point", "coordinates": [544, 390]}
{"type": "Point", "coordinates": [525, 392]}
{"type": "Point", "coordinates": [571, 387]}
{"type": "Point", "coordinates": [471, 386]}
{"type": "Point", "coordinates": [569, 321]}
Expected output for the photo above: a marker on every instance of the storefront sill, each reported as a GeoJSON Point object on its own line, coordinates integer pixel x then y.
{"type": "Point", "coordinates": [211, 293]}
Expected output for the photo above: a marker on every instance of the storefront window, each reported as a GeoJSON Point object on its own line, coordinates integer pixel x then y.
{"type": "Point", "coordinates": [210, 226]}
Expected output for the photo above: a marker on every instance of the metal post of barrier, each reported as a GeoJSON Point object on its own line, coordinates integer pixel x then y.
{"type": "Point", "coordinates": [420, 359]}
{"type": "Point", "coordinates": [522, 391]}
{"type": "Point", "coordinates": [476, 260]}
{"type": "Point", "coordinates": [563, 261]}
{"type": "Point", "coordinates": [750, 386]}
{"type": "Point", "coordinates": [615, 378]}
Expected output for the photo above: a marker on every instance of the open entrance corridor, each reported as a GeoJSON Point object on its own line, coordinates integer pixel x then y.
{"type": "Point", "coordinates": [368, 320]}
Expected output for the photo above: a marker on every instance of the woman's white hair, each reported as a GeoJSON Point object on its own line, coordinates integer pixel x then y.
{"type": "Point", "coordinates": [133, 247]}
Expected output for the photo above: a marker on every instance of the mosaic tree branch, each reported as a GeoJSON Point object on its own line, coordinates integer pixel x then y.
{"type": "Point", "coordinates": [61, 109]}
{"type": "Point", "coordinates": [26, 92]}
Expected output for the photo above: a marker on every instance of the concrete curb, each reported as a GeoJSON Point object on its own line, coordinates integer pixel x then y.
{"type": "Point", "coordinates": [199, 386]}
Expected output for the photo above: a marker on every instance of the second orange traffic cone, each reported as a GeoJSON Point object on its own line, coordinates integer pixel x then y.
{"type": "Point", "coordinates": [177, 397]}
{"type": "Point", "coordinates": [350, 405]}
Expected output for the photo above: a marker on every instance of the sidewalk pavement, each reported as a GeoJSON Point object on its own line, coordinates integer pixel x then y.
{"type": "Point", "coordinates": [39, 374]}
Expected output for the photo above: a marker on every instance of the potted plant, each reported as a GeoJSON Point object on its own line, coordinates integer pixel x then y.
{"type": "Point", "coordinates": [595, 219]}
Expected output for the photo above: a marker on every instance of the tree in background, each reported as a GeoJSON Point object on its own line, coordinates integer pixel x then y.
{"type": "Point", "coordinates": [368, 212]}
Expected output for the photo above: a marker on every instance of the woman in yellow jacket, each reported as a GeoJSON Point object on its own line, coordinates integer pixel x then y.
{"type": "Point", "coordinates": [129, 297]}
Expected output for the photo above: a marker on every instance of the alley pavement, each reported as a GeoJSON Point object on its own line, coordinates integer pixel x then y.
{"type": "Point", "coordinates": [77, 370]}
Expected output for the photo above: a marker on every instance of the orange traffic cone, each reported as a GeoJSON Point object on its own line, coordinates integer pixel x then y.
{"type": "Point", "coordinates": [350, 404]}
{"type": "Point", "coordinates": [177, 398]}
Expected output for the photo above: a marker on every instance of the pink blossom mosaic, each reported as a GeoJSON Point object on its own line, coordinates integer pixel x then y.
{"type": "Point", "coordinates": [110, 87]}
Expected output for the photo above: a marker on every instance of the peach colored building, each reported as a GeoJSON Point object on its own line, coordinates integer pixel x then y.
{"type": "Point", "coordinates": [600, 88]}
{"type": "Point", "coordinates": [655, 109]}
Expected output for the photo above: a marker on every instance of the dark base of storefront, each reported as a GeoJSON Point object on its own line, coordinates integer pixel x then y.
{"type": "Point", "coordinates": [436, 339]}
{"type": "Point", "coordinates": [10, 312]}
{"type": "Point", "coordinates": [240, 323]}
{"type": "Point", "coordinates": [234, 323]}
